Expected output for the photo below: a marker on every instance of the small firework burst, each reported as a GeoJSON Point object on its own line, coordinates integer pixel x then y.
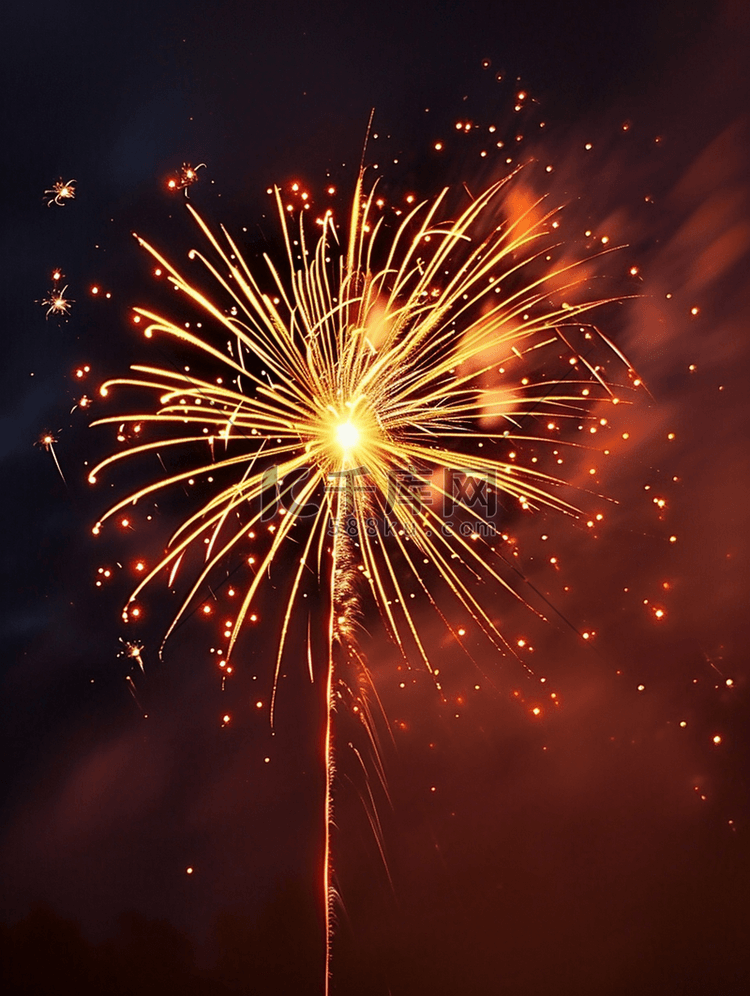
{"type": "Point", "coordinates": [83, 402]}
{"type": "Point", "coordinates": [56, 302]}
{"type": "Point", "coordinates": [60, 191]}
{"type": "Point", "coordinates": [132, 650]}
{"type": "Point", "coordinates": [187, 176]}
{"type": "Point", "coordinates": [47, 440]}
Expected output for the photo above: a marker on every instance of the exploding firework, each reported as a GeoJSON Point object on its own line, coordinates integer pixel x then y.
{"type": "Point", "coordinates": [61, 191]}
{"type": "Point", "coordinates": [187, 176]}
{"type": "Point", "coordinates": [371, 402]}
{"type": "Point", "coordinates": [133, 650]}
{"type": "Point", "coordinates": [56, 302]}
{"type": "Point", "coordinates": [48, 440]}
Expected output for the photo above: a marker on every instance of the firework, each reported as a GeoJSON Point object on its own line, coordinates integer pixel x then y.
{"type": "Point", "coordinates": [133, 650]}
{"type": "Point", "coordinates": [61, 191]}
{"type": "Point", "coordinates": [47, 440]}
{"type": "Point", "coordinates": [56, 302]}
{"type": "Point", "coordinates": [364, 407]}
{"type": "Point", "coordinates": [187, 176]}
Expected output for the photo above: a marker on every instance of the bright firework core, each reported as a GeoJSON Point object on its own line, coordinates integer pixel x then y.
{"type": "Point", "coordinates": [347, 436]}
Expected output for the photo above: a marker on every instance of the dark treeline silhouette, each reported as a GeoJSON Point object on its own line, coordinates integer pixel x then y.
{"type": "Point", "coordinates": [276, 952]}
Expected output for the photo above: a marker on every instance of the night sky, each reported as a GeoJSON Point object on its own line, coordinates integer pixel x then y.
{"type": "Point", "coordinates": [600, 848]}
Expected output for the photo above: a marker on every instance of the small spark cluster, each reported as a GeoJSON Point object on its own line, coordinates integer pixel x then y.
{"type": "Point", "coordinates": [185, 177]}
{"type": "Point", "coordinates": [61, 191]}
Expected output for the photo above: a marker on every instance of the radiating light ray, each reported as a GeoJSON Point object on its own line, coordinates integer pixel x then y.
{"type": "Point", "coordinates": [371, 368]}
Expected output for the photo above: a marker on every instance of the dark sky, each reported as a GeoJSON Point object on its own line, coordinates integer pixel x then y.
{"type": "Point", "coordinates": [602, 849]}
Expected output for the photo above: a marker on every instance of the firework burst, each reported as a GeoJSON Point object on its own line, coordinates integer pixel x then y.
{"type": "Point", "coordinates": [60, 191]}
{"type": "Point", "coordinates": [363, 394]}
{"type": "Point", "coordinates": [56, 302]}
{"type": "Point", "coordinates": [47, 440]}
{"type": "Point", "coordinates": [185, 178]}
